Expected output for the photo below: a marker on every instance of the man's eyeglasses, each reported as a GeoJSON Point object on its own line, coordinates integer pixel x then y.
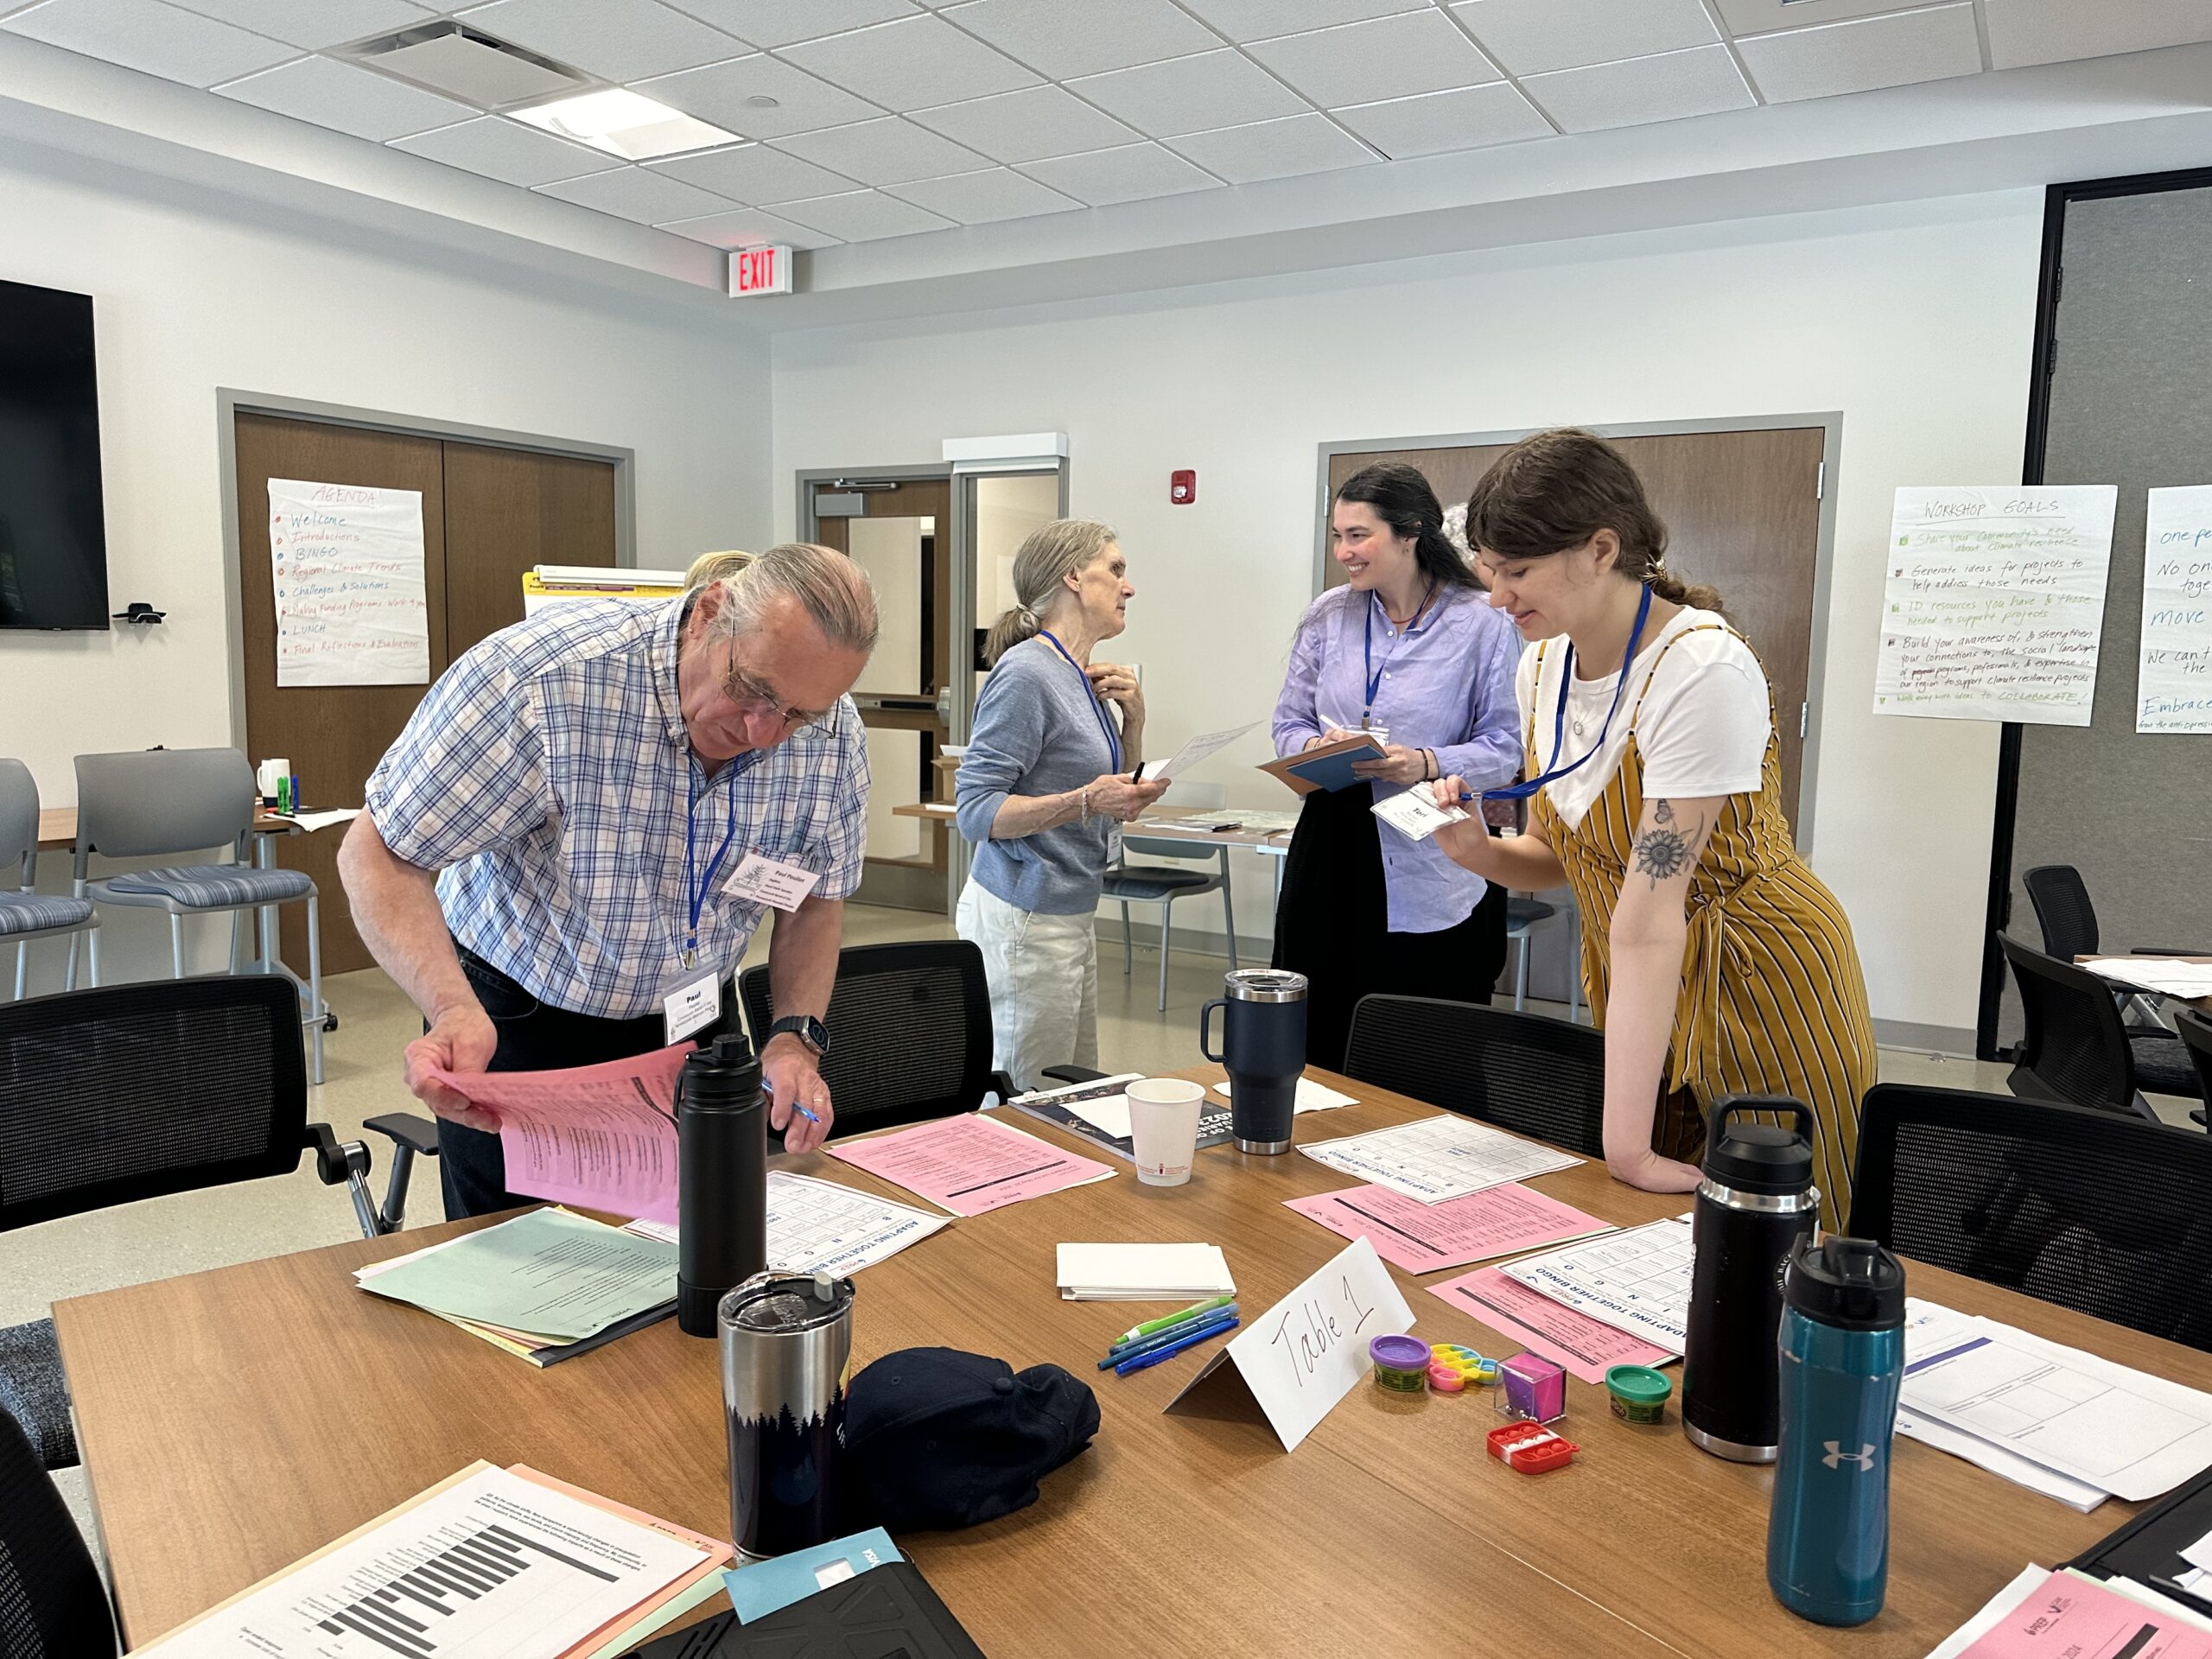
{"type": "Point", "coordinates": [756, 697]}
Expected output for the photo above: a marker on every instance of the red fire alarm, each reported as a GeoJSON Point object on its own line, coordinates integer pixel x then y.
{"type": "Point", "coordinates": [1183, 487]}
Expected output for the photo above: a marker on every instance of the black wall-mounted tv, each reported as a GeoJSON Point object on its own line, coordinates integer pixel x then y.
{"type": "Point", "coordinates": [53, 533]}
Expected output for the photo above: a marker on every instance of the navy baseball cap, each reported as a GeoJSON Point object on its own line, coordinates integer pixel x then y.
{"type": "Point", "coordinates": [938, 1439]}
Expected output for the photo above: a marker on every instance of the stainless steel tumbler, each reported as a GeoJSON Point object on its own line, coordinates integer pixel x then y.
{"type": "Point", "coordinates": [785, 1339]}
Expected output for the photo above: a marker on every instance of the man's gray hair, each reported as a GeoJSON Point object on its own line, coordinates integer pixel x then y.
{"type": "Point", "coordinates": [830, 587]}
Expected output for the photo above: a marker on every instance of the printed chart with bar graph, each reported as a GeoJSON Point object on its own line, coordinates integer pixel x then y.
{"type": "Point", "coordinates": [496, 1566]}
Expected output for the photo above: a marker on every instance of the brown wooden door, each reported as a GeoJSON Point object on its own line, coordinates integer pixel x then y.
{"type": "Point", "coordinates": [507, 510]}
{"type": "Point", "coordinates": [334, 734]}
{"type": "Point", "coordinates": [1743, 512]}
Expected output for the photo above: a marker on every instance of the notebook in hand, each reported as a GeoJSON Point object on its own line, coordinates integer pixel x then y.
{"type": "Point", "coordinates": [1327, 765]}
{"type": "Point", "coordinates": [889, 1613]}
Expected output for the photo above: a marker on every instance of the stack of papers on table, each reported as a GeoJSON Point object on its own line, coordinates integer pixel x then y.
{"type": "Point", "coordinates": [2169, 975]}
{"type": "Point", "coordinates": [2043, 1614]}
{"type": "Point", "coordinates": [1436, 1158]}
{"type": "Point", "coordinates": [1637, 1281]}
{"type": "Point", "coordinates": [546, 1285]}
{"type": "Point", "coordinates": [817, 1226]}
{"type": "Point", "coordinates": [1143, 1273]}
{"type": "Point", "coordinates": [1312, 1096]}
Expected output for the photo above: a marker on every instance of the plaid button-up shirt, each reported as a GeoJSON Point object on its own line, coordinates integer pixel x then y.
{"type": "Point", "coordinates": [549, 776]}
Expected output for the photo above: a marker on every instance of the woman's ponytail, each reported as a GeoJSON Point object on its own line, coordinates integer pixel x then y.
{"type": "Point", "coordinates": [1049, 556]}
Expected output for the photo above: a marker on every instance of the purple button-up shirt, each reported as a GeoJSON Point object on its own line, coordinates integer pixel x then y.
{"type": "Point", "coordinates": [1446, 685]}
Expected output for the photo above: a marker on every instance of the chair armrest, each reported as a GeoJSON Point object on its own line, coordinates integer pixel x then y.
{"type": "Point", "coordinates": [335, 1162]}
{"type": "Point", "coordinates": [408, 1130]}
{"type": "Point", "coordinates": [1074, 1074]}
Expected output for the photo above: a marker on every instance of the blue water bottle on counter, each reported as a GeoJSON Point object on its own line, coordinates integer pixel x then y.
{"type": "Point", "coordinates": [1842, 1341]}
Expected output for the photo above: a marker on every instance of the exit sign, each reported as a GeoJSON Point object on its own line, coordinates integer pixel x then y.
{"type": "Point", "coordinates": [760, 270]}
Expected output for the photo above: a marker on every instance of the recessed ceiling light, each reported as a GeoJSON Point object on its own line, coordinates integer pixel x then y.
{"type": "Point", "coordinates": [622, 123]}
{"type": "Point", "coordinates": [762, 101]}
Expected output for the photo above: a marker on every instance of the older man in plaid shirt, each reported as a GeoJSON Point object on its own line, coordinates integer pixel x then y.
{"type": "Point", "coordinates": [550, 864]}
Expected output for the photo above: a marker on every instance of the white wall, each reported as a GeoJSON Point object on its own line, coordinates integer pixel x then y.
{"type": "Point", "coordinates": [194, 291]}
{"type": "Point", "coordinates": [1914, 321]}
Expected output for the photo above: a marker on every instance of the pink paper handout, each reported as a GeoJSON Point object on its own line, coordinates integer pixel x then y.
{"type": "Point", "coordinates": [2066, 1615]}
{"type": "Point", "coordinates": [599, 1136]}
{"type": "Point", "coordinates": [1543, 1326]}
{"type": "Point", "coordinates": [1429, 1237]}
{"type": "Point", "coordinates": [970, 1165]}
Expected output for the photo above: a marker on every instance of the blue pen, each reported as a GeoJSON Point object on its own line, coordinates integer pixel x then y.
{"type": "Point", "coordinates": [1161, 1338]}
{"type": "Point", "coordinates": [1142, 1360]}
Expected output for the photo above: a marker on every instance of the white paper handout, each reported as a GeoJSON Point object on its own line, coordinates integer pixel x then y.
{"type": "Point", "coordinates": [1415, 813]}
{"type": "Point", "coordinates": [2173, 669]}
{"type": "Point", "coordinates": [1143, 1273]}
{"type": "Point", "coordinates": [2168, 975]}
{"type": "Point", "coordinates": [1433, 1159]}
{"type": "Point", "coordinates": [1637, 1281]}
{"type": "Point", "coordinates": [1203, 747]}
{"type": "Point", "coordinates": [818, 1226]}
{"type": "Point", "coordinates": [1311, 1098]}
{"type": "Point", "coordinates": [346, 562]}
{"type": "Point", "coordinates": [1995, 602]}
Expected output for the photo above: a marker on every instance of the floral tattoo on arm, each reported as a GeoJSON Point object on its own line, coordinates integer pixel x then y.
{"type": "Point", "coordinates": [1667, 850]}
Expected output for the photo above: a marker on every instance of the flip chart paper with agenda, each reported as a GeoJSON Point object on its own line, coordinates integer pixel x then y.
{"type": "Point", "coordinates": [346, 564]}
{"type": "Point", "coordinates": [1307, 1351]}
{"type": "Point", "coordinates": [1994, 603]}
{"type": "Point", "coordinates": [2173, 670]}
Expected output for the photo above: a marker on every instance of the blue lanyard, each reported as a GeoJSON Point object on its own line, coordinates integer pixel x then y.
{"type": "Point", "coordinates": [1367, 647]}
{"type": "Point", "coordinates": [1097, 707]}
{"type": "Point", "coordinates": [738, 768]}
{"type": "Point", "coordinates": [1521, 791]}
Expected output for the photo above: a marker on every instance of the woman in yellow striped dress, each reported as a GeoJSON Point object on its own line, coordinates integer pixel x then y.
{"type": "Point", "coordinates": [1716, 962]}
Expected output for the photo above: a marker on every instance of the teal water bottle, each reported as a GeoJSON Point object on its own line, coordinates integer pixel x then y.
{"type": "Point", "coordinates": [1842, 1343]}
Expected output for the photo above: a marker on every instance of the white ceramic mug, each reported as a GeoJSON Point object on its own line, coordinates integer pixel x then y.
{"type": "Point", "coordinates": [1164, 1128]}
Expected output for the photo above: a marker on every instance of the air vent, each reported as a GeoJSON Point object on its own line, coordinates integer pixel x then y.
{"type": "Point", "coordinates": [461, 62]}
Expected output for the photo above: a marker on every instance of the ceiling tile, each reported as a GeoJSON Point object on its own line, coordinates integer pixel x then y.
{"type": "Point", "coordinates": [1530, 37]}
{"type": "Point", "coordinates": [862, 216]}
{"type": "Point", "coordinates": [779, 22]}
{"type": "Point", "coordinates": [636, 194]}
{"type": "Point", "coordinates": [1259, 20]}
{"type": "Point", "coordinates": [983, 198]}
{"type": "Point", "coordinates": [1274, 150]}
{"type": "Point", "coordinates": [1769, 16]}
{"type": "Point", "coordinates": [748, 227]}
{"type": "Point", "coordinates": [1668, 88]}
{"type": "Point", "coordinates": [1436, 122]}
{"type": "Point", "coordinates": [1132, 173]}
{"type": "Point", "coordinates": [912, 65]}
{"type": "Point", "coordinates": [726, 94]}
{"type": "Point", "coordinates": [1391, 57]}
{"type": "Point", "coordinates": [1027, 125]}
{"type": "Point", "coordinates": [884, 151]}
{"type": "Point", "coordinates": [2023, 32]}
{"type": "Point", "coordinates": [1213, 89]}
{"type": "Point", "coordinates": [146, 36]}
{"type": "Point", "coordinates": [500, 149]}
{"type": "Point", "coordinates": [1064, 41]}
{"type": "Point", "coordinates": [615, 40]}
{"type": "Point", "coordinates": [754, 174]}
{"type": "Point", "coordinates": [1864, 53]}
{"type": "Point", "coordinates": [334, 94]}
{"type": "Point", "coordinates": [313, 23]}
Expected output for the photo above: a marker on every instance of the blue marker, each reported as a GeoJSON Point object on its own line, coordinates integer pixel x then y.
{"type": "Point", "coordinates": [1160, 1338]}
{"type": "Point", "coordinates": [1142, 1361]}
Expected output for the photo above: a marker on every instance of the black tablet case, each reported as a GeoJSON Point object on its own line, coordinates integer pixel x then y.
{"type": "Point", "coordinates": [887, 1613]}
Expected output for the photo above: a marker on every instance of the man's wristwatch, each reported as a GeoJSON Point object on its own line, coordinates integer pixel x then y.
{"type": "Point", "coordinates": [808, 1029]}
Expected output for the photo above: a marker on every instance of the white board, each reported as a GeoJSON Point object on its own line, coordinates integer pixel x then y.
{"type": "Point", "coordinates": [2173, 673]}
{"type": "Point", "coordinates": [1995, 602]}
{"type": "Point", "coordinates": [347, 561]}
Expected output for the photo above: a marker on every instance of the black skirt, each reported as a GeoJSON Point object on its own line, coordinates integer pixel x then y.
{"type": "Point", "coordinates": [1333, 926]}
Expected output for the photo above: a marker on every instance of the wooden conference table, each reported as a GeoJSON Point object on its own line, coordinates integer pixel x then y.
{"type": "Point", "coordinates": [234, 1421]}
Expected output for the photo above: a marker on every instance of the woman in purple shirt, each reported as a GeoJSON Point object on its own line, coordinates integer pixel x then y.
{"type": "Point", "coordinates": [1410, 648]}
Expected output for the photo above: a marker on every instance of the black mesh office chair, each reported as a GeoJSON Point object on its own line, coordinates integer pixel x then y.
{"type": "Point", "coordinates": [910, 1032]}
{"type": "Point", "coordinates": [2069, 921]}
{"type": "Point", "coordinates": [2075, 1050]}
{"type": "Point", "coordinates": [2196, 1037]}
{"type": "Point", "coordinates": [1526, 1073]}
{"type": "Point", "coordinates": [135, 1091]}
{"type": "Point", "coordinates": [2099, 1213]}
{"type": "Point", "coordinates": [52, 1603]}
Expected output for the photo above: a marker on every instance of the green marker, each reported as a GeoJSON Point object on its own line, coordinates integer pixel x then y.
{"type": "Point", "coordinates": [1150, 1326]}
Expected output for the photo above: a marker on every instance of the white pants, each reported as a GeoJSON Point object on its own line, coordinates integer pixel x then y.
{"type": "Point", "coordinates": [1043, 972]}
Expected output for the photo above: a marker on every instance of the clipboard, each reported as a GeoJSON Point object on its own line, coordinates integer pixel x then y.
{"type": "Point", "coordinates": [2148, 1548]}
{"type": "Point", "coordinates": [1328, 768]}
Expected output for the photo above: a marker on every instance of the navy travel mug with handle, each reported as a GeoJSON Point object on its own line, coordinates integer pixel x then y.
{"type": "Point", "coordinates": [1264, 1049]}
{"type": "Point", "coordinates": [1842, 1348]}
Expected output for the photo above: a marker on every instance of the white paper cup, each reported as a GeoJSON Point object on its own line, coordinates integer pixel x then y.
{"type": "Point", "coordinates": [1164, 1128]}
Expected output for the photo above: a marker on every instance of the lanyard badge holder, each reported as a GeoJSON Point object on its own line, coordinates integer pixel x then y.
{"type": "Point", "coordinates": [696, 1000]}
{"type": "Point", "coordinates": [1521, 791]}
{"type": "Point", "coordinates": [1374, 675]}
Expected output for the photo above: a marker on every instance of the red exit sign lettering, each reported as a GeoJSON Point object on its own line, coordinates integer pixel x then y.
{"type": "Point", "coordinates": [760, 270]}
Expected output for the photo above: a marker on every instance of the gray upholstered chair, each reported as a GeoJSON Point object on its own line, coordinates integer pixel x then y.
{"type": "Point", "coordinates": [155, 803]}
{"type": "Point", "coordinates": [27, 915]}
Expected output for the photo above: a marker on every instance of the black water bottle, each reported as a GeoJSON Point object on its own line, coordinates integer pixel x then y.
{"type": "Point", "coordinates": [1756, 1201]}
{"type": "Point", "coordinates": [721, 1145]}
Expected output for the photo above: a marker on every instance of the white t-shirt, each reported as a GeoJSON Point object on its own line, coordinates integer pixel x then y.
{"type": "Point", "coordinates": [1703, 729]}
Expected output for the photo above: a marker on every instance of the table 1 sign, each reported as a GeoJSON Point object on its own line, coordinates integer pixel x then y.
{"type": "Point", "coordinates": [1304, 1354]}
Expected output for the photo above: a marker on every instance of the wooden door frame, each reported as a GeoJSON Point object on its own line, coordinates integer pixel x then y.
{"type": "Point", "coordinates": [1830, 425]}
{"type": "Point", "coordinates": [231, 403]}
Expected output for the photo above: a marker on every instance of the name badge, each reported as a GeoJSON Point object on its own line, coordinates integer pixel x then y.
{"type": "Point", "coordinates": [769, 881]}
{"type": "Point", "coordinates": [692, 1006]}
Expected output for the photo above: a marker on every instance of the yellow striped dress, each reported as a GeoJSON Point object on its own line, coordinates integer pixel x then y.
{"type": "Point", "coordinates": [1773, 1000]}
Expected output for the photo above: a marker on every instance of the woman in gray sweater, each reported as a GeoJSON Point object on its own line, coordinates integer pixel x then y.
{"type": "Point", "coordinates": [1045, 780]}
